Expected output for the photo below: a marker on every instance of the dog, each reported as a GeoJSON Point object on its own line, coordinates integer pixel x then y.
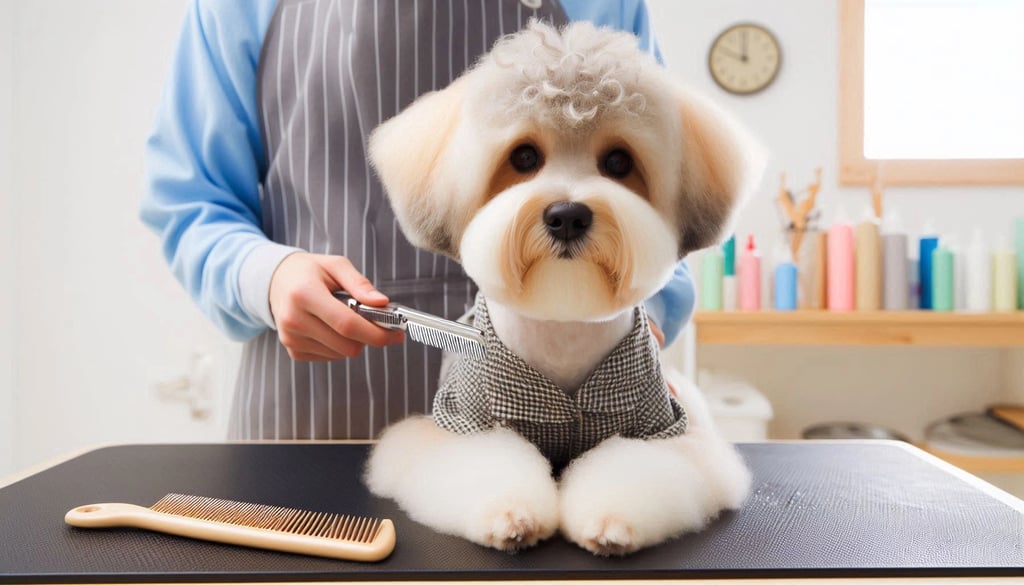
{"type": "Point", "coordinates": [569, 174]}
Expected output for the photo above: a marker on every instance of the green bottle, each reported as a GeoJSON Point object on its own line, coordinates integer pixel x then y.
{"type": "Point", "coordinates": [942, 279]}
{"type": "Point", "coordinates": [729, 250]}
{"type": "Point", "coordinates": [712, 271]}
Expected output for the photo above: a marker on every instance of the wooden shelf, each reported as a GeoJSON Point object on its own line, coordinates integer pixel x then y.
{"type": "Point", "coordinates": [859, 328]}
{"type": "Point", "coordinates": [978, 464]}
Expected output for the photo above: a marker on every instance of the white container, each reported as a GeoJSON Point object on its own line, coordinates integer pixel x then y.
{"type": "Point", "coordinates": [739, 410]}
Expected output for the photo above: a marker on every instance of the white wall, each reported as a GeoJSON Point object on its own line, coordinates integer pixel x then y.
{"type": "Point", "coordinates": [796, 118]}
{"type": "Point", "coordinates": [7, 276]}
{"type": "Point", "coordinates": [101, 320]}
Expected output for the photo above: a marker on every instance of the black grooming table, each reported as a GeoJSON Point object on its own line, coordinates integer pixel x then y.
{"type": "Point", "coordinates": [840, 509]}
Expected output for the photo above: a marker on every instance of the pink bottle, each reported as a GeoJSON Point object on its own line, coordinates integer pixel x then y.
{"type": "Point", "coordinates": [750, 277]}
{"type": "Point", "coordinates": [841, 284]}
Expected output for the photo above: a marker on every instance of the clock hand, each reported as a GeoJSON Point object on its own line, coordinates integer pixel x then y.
{"type": "Point", "coordinates": [744, 56]}
{"type": "Point", "coordinates": [730, 53]}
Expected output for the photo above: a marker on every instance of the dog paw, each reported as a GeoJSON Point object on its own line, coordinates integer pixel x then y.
{"type": "Point", "coordinates": [512, 530]}
{"type": "Point", "coordinates": [609, 536]}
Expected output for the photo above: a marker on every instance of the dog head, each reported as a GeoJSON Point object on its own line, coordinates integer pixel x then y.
{"type": "Point", "coordinates": [566, 171]}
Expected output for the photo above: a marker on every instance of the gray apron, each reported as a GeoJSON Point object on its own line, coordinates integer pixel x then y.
{"type": "Point", "coordinates": [331, 71]}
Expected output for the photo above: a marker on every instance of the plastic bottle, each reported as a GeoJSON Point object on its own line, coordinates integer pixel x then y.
{"type": "Point", "coordinates": [895, 283]}
{"type": "Point", "coordinates": [978, 277]}
{"type": "Point", "coordinates": [818, 295]}
{"type": "Point", "coordinates": [868, 259]}
{"type": "Point", "coordinates": [959, 275]}
{"type": "Point", "coordinates": [943, 276]}
{"type": "Point", "coordinates": [926, 245]}
{"type": "Point", "coordinates": [913, 280]}
{"type": "Point", "coordinates": [750, 277]}
{"type": "Point", "coordinates": [730, 293]}
{"type": "Point", "coordinates": [712, 268]}
{"type": "Point", "coordinates": [840, 265]}
{"type": "Point", "coordinates": [1004, 279]}
{"type": "Point", "coordinates": [785, 279]}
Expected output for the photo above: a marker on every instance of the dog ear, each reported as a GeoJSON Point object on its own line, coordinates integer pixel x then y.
{"type": "Point", "coordinates": [721, 166]}
{"type": "Point", "coordinates": [408, 154]}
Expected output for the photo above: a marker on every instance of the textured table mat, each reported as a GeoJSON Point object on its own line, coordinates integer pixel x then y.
{"type": "Point", "coordinates": [817, 509]}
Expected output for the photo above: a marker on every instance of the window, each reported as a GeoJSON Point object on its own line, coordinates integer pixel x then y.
{"type": "Point", "coordinates": [932, 91]}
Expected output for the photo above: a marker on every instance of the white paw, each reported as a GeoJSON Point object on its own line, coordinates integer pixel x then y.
{"type": "Point", "coordinates": [492, 488]}
{"type": "Point", "coordinates": [609, 536]}
{"type": "Point", "coordinates": [518, 528]}
{"type": "Point", "coordinates": [628, 494]}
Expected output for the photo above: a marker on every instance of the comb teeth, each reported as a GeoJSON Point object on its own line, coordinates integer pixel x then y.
{"type": "Point", "coordinates": [381, 316]}
{"type": "Point", "coordinates": [275, 518]}
{"type": "Point", "coordinates": [444, 340]}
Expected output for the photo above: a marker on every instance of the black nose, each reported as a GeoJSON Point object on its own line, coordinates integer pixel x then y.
{"type": "Point", "coordinates": [568, 220]}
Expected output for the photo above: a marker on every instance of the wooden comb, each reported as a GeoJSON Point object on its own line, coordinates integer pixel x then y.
{"type": "Point", "coordinates": [336, 536]}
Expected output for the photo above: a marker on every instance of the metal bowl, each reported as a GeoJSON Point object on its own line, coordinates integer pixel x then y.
{"type": "Point", "coordinates": [852, 430]}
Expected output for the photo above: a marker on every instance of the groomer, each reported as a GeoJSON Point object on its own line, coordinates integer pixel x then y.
{"type": "Point", "coordinates": [259, 187]}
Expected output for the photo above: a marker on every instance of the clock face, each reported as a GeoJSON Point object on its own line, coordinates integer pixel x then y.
{"type": "Point", "coordinates": [744, 59]}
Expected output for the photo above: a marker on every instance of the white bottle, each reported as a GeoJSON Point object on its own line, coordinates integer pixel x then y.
{"type": "Point", "coordinates": [979, 275]}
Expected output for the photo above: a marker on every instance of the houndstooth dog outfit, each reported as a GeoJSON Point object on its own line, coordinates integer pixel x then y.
{"type": "Point", "coordinates": [625, 395]}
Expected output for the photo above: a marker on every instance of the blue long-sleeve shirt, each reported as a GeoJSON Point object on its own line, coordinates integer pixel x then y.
{"type": "Point", "coordinates": [205, 160]}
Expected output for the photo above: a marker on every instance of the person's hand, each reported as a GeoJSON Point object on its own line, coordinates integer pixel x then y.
{"type": "Point", "coordinates": [314, 325]}
{"type": "Point", "coordinates": [656, 331]}
{"type": "Point", "coordinates": [659, 336]}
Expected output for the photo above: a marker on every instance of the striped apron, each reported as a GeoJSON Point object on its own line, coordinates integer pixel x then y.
{"type": "Point", "coordinates": [331, 71]}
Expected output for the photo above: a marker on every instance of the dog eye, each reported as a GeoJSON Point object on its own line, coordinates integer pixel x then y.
{"type": "Point", "coordinates": [618, 164]}
{"type": "Point", "coordinates": [525, 158]}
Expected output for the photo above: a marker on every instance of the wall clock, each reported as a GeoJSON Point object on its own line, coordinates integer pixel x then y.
{"type": "Point", "coordinates": [744, 59]}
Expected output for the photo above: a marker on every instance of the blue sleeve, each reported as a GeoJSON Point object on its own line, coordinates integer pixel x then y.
{"type": "Point", "coordinates": [671, 307]}
{"type": "Point", "coordinates": [204, 157]}
{"type": "Point", "coordinates": [627, 15]}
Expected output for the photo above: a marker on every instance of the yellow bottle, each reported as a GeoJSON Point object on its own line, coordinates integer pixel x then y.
{"type": "Point", "coordinates": [868, 258]}
{"type": "Point", "coordinates": [1004, 280]}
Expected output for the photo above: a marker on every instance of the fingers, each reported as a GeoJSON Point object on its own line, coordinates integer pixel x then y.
{"type": "Point", "coordinates": [314, 325]}
{"type": "Point", "coordinates": [345, 323]}
{"type": "Point", "coordinates": [354, 283]}
{"type": "Point", "coordinates": [308, 338]}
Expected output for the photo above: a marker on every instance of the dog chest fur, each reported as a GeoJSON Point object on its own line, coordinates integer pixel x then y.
{"type": "Point", "coordinates": [565, 354]}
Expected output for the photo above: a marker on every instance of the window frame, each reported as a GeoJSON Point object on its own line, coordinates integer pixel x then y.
{"type": "Point", "coordinates": [855, 169]}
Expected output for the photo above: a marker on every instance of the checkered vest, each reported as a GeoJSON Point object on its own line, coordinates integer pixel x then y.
{"type": "Point", "coordinates": [626, 395]}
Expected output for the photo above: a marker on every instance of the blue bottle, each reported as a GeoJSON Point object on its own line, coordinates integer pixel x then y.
{"type": "Point", "coordinates": [785, 281]}
{"type": "Point", "coordinates": [926, 246]}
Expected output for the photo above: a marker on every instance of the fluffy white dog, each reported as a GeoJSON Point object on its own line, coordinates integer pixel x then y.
{"type": "Point", "coordinates": [569, 174]}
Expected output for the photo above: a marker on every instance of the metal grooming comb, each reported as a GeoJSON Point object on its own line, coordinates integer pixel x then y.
{"type": "Point", "coordinates": [422, 327]}
{"type": "Point", "coordinates": [335, 536]}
